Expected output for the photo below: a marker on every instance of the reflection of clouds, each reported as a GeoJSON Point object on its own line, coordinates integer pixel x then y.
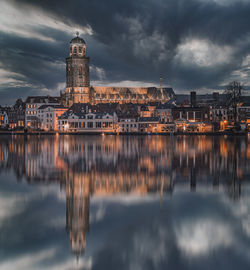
{"type": "Point", "coordinates": [201, 237]}
{"type": "Point", "coordinates": [241, 210]}
{"type": "Point", "coordinates": [28, 261]}
{"type": "Point", "coordinates": [13, 204]}
{"type": "Point", "coordinates": [53, 190]}
{"type": "Point", "coordinates": [10, 206]}
{"type": "Point", "coordinates": [57, 222]}
{"type": "Point", "coordinates": [126, 199]}
{"type": "Point", "coordinates": [98, 214]}
{"type": "Point", "coordinates": [246, 225]}
{"type": "Point", "coordinates": [83, 263]}
{"type": "Point", "coordinates": [39, 261]}
{"type": "Point", "coordinates": [102, 202]}
{"type": "Point", "coordinates": [150, 246]}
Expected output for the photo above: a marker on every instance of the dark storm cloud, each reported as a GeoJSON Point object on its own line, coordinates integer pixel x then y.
{"type": "Point", "coordinates": [195, 44]}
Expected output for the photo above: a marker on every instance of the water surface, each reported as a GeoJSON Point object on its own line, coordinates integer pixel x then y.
{"type": "Point", "coordinates": [124, 202]}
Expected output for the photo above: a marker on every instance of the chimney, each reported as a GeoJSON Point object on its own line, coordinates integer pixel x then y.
{"type": "Point", "coordinates": [193, 98]}
{"type": "Point", "coordinates": [216, 97]}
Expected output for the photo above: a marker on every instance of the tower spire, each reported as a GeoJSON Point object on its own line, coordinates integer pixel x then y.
{"type": "Point", "coordinates": [161, 80]}
{"type": "Point", "coordinates": [77, 33]}
{"type": "Point", "coordinates": [161, 86]}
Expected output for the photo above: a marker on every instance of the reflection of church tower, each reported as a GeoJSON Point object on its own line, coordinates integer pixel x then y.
{"type": "Point", "coordinates": [77, 211]}
{"type": "Point", "coordinates": [77, 73]}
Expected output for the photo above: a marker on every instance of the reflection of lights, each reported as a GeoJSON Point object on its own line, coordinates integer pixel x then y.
{"type": "Point", "coordinates": [184, 127]}
{"type": "Point", "coordinates": [103, 134]}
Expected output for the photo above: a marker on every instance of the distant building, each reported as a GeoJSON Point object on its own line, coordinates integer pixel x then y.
{"type": "Point", "coordinates": [48, 116]}
{"type": "Point", "coordinates": [216, 97]}
{"type": "Point", "coordinates": [193, 98]}
{"type": "Point", "coordinates": [148, 124]}
{"type": "Point", "coordinates": [220, 113]}
{"type": "Point", "coordinates": [244, 115]}
{"type": "Point", "coordinates": [164, 111]}
{"type": "Point", "coordinates": [16, 115]}
{"type": "Point", "coordinates": [87, 122]}
{"type": "Point", "coordinates": [3, 118]}
{"type": "Point", "coordinates": [192, 114]}
{"type": "Point", "coordinates": [33, 103]}
{"type": "Point", "coordinates": [78, 88]}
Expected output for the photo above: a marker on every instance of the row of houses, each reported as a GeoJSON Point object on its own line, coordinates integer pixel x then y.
{"type": "Point", "coordinates": [46, 113]}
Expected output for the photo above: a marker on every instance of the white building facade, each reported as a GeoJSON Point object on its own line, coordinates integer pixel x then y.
{"type": "Point", "coordinates": [31, 112]}
{"type": "Point", "coordinates": [87, 122]}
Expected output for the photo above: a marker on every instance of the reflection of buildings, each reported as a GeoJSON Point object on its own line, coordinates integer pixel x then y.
{"type": "Point", "coordinates": [77, 211]}
{"type": "Point", "coordinates": [107, 165]}
{"type": "Point", "coordinates": [79, 187]}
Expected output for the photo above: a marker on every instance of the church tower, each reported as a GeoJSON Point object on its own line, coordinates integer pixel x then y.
{"type": "Point", "coordinates": [77, 73]}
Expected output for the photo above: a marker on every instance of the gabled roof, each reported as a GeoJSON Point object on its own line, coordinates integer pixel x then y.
{"type": "Point", "coordinates": [165, 106]}
{"type": "Point", "coordinates": [148, 119]}
{"type": "Point", "coordinates": [83, 115]}
{"type": "Point", "coordinates": [51, 106]}
{"type": "Point", "coordinates": [42, 99]}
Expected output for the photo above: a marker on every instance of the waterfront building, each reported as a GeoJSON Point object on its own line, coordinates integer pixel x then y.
{"type": "Point", "coordinates": [3, 118]}
{"type": "Point", "coordinates": [192, 119]}
{"type": "Point", "coordinates": [243, 110]}
{"type": "Point", "coordinates": [78, 87]}
{"type": "Point", "coordinates": [127, 124]}
{"type": "Point", "coordinates": [144, 111]}
{"type": "Point", "coordinates": [87, 122]}
{"type": "Point", "coordinates": [48, 116]}
{"type": "Point", "coordinates": [33, 103]}
{"type": "Point", "coordinates": [192, 114]}
{"type": "Point", "coordinates": [220, 116]}
{"type": "Point", "coordinates": [16, 115]}
{"type": "Point", "coordinates": [164, 111]}
{"type": "Point", "coordinates": [128, 115]}
{"type": "Point", "coordinates": [149, 124]}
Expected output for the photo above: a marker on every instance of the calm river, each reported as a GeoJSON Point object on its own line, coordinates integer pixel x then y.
{"type": "Point", "coordinates": [124, 202]}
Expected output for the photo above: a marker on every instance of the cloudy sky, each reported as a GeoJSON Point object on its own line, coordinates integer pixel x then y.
{"type": "Point", "coordinates": [194, 44]}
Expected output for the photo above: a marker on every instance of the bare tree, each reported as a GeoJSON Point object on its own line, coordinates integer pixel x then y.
{"type": "Point", "coordinates": [234, 91]}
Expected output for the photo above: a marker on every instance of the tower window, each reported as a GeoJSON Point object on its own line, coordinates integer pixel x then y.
{"type": "Point", "coordinates": [80, 70]}
{"type": "Point", "coordinates": [80, 49]}
{"type": "Point", "coordinates": [75, 50]}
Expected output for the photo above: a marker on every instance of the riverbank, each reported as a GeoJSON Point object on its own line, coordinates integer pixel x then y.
{"type": "Point", "coordinates": [125, 133]}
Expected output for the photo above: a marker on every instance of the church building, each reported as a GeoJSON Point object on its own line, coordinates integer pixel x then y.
{"type": "Point", "coordinates": [78, 88]}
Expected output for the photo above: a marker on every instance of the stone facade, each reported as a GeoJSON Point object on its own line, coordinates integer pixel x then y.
{"type": "Point", "coordinates": [78, 87]}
